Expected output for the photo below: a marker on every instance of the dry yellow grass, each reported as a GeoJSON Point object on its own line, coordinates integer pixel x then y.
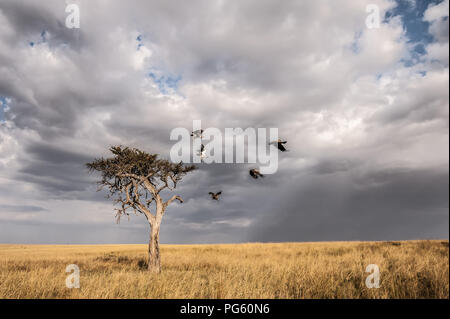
{"type": "Point", "coordinates": [409, 269]}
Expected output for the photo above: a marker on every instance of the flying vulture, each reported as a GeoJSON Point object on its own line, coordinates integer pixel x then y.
{"type": "Point", "coordinates": [202, 152]}
{"type": "Point", "coordinates": [215, 196]}
{"type": "Point", "coordinates": [197, 133]}
{"type": "Point", "coordinates": [255, 173]}
{"type": "Point", "coordinates": [279, 145]}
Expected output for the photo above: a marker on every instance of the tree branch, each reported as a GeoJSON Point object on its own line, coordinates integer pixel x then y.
{"type": "Point", "coordinates": [130, 174]}
{"type": "Point", "coordinates": [135, 202]}
{"type": "Point", "coordinates": [171, 200]}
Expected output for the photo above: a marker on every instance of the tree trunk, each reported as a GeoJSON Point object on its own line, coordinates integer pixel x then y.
{"type": "Point", "coordinates": [154, 259]}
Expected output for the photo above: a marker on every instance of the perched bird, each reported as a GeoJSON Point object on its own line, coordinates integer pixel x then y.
{"type": "Point", "coordinates": [255, 173]}
{"type": "Point", "coordinates": [215, 196]}
{"type": "Point", "coordinates": [202, 152]}
{"type": "Point", "coordinates": [279, 145]}
{"type": "Point", "coordinates": [197, 133]}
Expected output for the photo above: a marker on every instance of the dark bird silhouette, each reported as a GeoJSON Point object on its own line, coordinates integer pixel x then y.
{"type": "Point", "coordinates": [197, 133]}
{"type": "Point", "coordinates": [279, 145]}
{"type": "Point", "coordinates": [215, 196]}
{"type": "Point", "coordinates": [202, 152]}
{"type": "Point", "coordinates": [255, 173]}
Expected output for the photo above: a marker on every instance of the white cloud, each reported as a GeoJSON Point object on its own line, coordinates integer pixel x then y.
{"type": "Point", "coordinates": [437, 16]}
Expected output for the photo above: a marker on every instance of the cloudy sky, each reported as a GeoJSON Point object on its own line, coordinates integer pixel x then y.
{"type": "Point", "coordinates": [365, 112]}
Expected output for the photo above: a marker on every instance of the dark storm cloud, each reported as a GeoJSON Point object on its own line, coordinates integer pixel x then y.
{"type": "Point", "coordinates": [32, 20]}
{"type": "Point", "coordinates": [381, 205]}
{"type": "Point", "coordinates": [21, 208]}
{"type": "Point", "coordinates": [49, 233]}
{"type": "Point", "coordinates": [53, 169]}
{"type": "Point", "coordinates": [328, 166]}
{"type": "Point", "coordinates": [53, 154]}
{"type": "Point", "coordinates": [29, 18]}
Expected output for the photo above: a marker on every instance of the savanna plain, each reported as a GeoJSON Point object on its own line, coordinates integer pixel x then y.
{"type": "Point", "coordinates": [408, 269]}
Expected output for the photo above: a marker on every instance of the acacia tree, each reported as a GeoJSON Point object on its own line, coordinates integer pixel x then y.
{"type": "Point", "coordinates": [135, 180]}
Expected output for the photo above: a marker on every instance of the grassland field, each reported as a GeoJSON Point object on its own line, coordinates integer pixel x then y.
{"type": "Point", "coordinates": [408, 269]}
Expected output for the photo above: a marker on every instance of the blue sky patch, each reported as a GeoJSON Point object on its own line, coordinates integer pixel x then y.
{"type": "Point", "coordinates": [411, 13]}
{"type": "Point", "coordinates": [165, 83]}
{"type": "Point", "coordinates": [43, 36]}
{"type": "Point", "coordinates": [416, 29]}
{"type": "Point", "coordinates": [42, 39]}
{"type": "Point", "coordinates": [355, 47]}
{"type": "Point", "coordinates": [422, 73]}
{"type": "Point", "coordinates": [3, 105]}
{"type": "Point", "coordinates": [139, 40]}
